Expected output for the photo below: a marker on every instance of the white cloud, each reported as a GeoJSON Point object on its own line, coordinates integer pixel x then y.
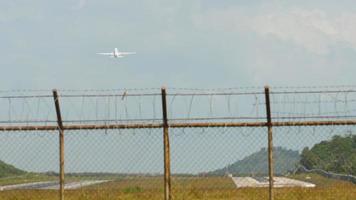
{"type": "Point", "coordinates": [315, 30]}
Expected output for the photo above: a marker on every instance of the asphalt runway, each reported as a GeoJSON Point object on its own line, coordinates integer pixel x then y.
{"type": "Point", "coordinates": [51, 185]}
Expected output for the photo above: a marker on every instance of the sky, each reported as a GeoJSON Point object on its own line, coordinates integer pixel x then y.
{"type": "Point", "coordinates": [186, 44]}
{"type": "Point", "coordinates": [195, 43]}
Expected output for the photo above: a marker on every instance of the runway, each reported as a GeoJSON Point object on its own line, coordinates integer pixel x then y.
{"type": "Point", "coordinates": [279, 182]}
{"type": "Point", "coordinates": [51, 185]}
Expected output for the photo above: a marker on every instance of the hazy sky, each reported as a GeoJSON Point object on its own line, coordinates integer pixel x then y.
{"type": "Point", "coordinates": [189, 43]}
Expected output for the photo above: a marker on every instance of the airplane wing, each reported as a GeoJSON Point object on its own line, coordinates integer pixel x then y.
{"type": "Point", "coordinates": [106, 54]}
{"type": "Point", "coordinates": [127, 53]}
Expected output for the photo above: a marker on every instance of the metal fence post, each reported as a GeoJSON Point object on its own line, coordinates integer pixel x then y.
{"type": "Point", "coordinates": [167, 168]}
{"type": "Point", "coordinates": [61, 145]}
{"type": "Point", "coordinates": [270, 143]}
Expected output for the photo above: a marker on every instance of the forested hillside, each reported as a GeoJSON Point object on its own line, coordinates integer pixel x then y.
{"type": "Point", "coordinates": [337, 155]}
{"type": "Point", "coordinates": [257, 163]}
{"type": "Point", "coordinates": [7, 170]}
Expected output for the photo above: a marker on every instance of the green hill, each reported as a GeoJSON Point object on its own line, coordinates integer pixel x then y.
{"type": "Point", "coordinates": [257, 163]}
{"type": "Point", "coordinates": [7, 170]}
{"type": "Point", "coordinates": [337, 155]}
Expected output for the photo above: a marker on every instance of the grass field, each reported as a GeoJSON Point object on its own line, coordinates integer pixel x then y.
{"type": "Point", "coordinates": [213, 188]}
{"type": "Point", "coordinates": [26, 178]}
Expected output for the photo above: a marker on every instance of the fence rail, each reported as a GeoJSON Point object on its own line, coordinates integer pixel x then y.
{"type": "Point", "coordinates": [177, 125]}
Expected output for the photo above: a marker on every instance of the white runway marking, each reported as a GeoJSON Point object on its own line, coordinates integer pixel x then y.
{"type": "Point", "coordinates": [279, 182]}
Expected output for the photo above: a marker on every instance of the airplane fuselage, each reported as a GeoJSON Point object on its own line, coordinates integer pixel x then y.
{"type": "Point", "coordinates": [117, 54]}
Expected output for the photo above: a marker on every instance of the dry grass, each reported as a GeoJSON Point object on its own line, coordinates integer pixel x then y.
{"type": "Point", "coordinates": [212, 188]}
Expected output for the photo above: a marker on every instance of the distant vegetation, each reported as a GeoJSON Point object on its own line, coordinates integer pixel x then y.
{"type": "Point", "coordinates": [7, 170]}
{"type": "Point", "coordinates": [257, 163]}
{"type": "Point", "coordinates": [337, 155]}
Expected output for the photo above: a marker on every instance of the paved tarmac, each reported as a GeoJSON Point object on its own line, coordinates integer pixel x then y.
{"type": "Point", "coordinates": [50, 185]}
{"type": "Point", "coordinates": [279, 182]}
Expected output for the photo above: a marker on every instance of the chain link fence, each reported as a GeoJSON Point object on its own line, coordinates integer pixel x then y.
{"type": "Point", "coordinates": [179, 144]}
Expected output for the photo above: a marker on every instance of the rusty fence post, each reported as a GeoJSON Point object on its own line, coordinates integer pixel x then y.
{"type": "Point", "coordinates": [61, 145]}
{"type": "Point", "coordinates": [167, 167]}
{"type": "Point", "coordinates": [270, 143]}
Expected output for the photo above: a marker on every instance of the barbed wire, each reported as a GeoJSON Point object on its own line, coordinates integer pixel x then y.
{"type": "Point", "coordinates": [185, 104]}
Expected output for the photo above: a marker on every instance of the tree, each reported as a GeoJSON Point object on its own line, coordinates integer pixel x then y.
{"type": "Point", "coordinates": [337, 155]}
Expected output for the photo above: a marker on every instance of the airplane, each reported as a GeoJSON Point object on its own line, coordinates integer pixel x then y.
{"type": "Point", "coordinates": [117, 54]}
